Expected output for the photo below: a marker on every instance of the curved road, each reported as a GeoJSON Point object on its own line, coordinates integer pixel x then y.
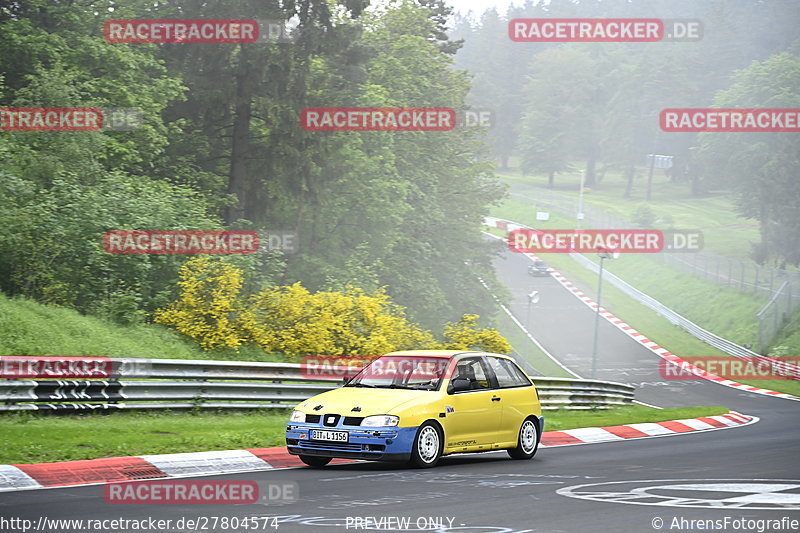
{"type": "Point", "coordinates": [742, 474]}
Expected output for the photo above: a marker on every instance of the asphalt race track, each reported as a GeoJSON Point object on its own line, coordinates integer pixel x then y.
{"type": "Point", "coordinates": [741, 475]}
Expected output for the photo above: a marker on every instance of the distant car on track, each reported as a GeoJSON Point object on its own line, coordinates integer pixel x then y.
{"type": "Point", "coordinates": [538, 268]}
{"type": "Point", "coordinates": [417, 406]}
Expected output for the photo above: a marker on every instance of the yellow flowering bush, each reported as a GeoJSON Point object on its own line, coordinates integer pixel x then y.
{"type": "Point", "coordinates": [348, 323]}
{"type": "Point", "coordinates": [209, 306]}
{"type": "Point", "coordinates": [466, 335]}
{"type": "Point", "coordinates": [296, 322]}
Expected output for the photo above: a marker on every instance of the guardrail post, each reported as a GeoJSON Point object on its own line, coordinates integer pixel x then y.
{"type": "Point", "coordinates": [755, 284]}
{"type": "Point", "coordinates": [730, 273]}
{"type": "Point", "coordinates": [741, 279]}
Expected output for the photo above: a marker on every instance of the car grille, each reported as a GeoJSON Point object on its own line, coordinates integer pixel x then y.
{"type": "Point", "coordinates": [330, 420]}
{"type": "Point", "coordinates": [347, 421]}
{"type": "Point", "coordinates": [330, 445]}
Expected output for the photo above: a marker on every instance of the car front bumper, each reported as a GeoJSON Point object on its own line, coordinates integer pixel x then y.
{"type": "Point", "coordinates": [370, 443]}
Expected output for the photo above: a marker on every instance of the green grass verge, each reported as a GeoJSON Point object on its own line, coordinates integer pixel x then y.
{"type": "Point", "coordinates": [637, 315]}
{"type": "Point", "coordinates": [28, 437]}
{"type": "Point", "coordinates": [526, 348]}
{"type": "Point", "coordinates": [725, 311]}
{"type": "Point", "coordinates": [724, 231]}
{"type": "Point", "coordinates": [31, 328]}
{"type": "Point", "coordinates": [651, 323]}
{"type": "Point", "coordinates": [634, 414]}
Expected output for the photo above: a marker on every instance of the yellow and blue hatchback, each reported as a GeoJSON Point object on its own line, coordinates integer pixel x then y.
{"type": "Point", "coordinates": [418, 406]}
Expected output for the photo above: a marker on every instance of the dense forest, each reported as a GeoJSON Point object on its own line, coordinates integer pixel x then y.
{"type": "Point", "coordinates": [595, 106]}
{"type": "Point", "coordinates": [221, 145]}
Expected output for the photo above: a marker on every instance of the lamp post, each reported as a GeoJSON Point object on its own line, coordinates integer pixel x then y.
{"type": "Point", "coordinates": [603, 254]}
{"type": "Point", "coordinates": [579, 214]}
{"type": "Point", "coordinates": [533, 298]}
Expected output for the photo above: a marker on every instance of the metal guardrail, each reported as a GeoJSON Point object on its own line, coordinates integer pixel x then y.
{"type": "Point", "coordinates": [774, 315]}
{"type": "Point", "coordinates": [250, 386]}
{"type": "Point", "coordinates": [673, 317]}
{"type": "Point", "coordinates": [745, 276]}
{"type": "Point", "coordinates": [573, 393]}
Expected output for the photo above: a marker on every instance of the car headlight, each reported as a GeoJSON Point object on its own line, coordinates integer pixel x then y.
{"type": "Point", "coordinates": [381, 420]}
{"type": "Point", "coordinates": [298, 416]}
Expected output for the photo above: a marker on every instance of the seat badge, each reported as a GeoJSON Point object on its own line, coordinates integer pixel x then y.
{"type": "Point", "coordinates": [449, 409]}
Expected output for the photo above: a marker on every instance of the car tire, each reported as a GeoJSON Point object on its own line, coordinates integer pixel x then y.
{"type": "Point", "coordinates": [527, 441]}
{"type": "Point", "coordinates": [315, 460]}
{"type": "Point", "coordinates": [427, 447]}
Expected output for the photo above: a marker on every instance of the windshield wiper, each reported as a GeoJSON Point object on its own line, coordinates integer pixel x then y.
{"type": "Point", "coordinates": [360, 385]}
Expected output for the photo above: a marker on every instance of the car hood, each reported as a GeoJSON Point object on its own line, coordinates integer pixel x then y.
{"type": "Point", "coordinates": [370, 401]}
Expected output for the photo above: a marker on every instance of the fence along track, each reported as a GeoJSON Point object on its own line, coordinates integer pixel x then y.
{"type": "Point", "coordinates": [675, 318]}
{"type": "Point", "coordinates": [780, 287]}
{"type": "Point", "coordinates": [184, 384]}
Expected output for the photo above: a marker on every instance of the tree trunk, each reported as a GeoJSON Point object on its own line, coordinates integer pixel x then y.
{"type": "Point", "coordinates": [631, 174]}
{"type": "Point", "coordinates": [696, 190]}
{"type": "Point", "coordinates": [237, 182]}
{"type": "Point", "coordinates": [298, 220]}
{"type": "Point", "coordinates": [591, 175]}
{"type": "Point", "coordinates": [649, 193]}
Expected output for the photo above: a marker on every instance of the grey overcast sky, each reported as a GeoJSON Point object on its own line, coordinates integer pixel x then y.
{"type": "Point", "coordinates": [479, 6]}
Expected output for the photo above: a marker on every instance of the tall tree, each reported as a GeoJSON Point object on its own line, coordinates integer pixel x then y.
{"type": "Point", "coordinates": [764, 168]}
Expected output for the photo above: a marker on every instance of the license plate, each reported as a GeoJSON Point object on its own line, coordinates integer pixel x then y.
{"type": "Point", "coordinates": [336, 436]}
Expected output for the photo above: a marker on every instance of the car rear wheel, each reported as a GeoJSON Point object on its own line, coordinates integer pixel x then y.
{"type": "Point", "coordinates": [315, 460]}
{"type": "Point", "coordinates": [527, 441]}
{"type": "Point", "coordinates": [427, 446]}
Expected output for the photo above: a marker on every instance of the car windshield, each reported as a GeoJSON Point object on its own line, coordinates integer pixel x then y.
{"type": "Point", "coordinates": [402, 372]}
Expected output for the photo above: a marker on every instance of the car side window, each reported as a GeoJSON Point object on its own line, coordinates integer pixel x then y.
{"type": "Point", "coordinates": [508, 374]}
{"type": "Point", "coordinates": [472, 370]}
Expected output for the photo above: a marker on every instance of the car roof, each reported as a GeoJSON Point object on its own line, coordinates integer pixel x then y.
{"type": "Point", "coordinates": [444, 354]}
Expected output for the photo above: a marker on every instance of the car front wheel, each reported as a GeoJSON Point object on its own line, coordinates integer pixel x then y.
{"type": "Point", "coordinates": [527, 441]}
{"type": "Point", "coordinates": [427, 446]}
{"type": "Point", "coordinates": [315, 460]}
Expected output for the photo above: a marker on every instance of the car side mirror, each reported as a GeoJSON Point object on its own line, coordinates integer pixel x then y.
{"type": "Point", "coordinates": [458, 385]}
